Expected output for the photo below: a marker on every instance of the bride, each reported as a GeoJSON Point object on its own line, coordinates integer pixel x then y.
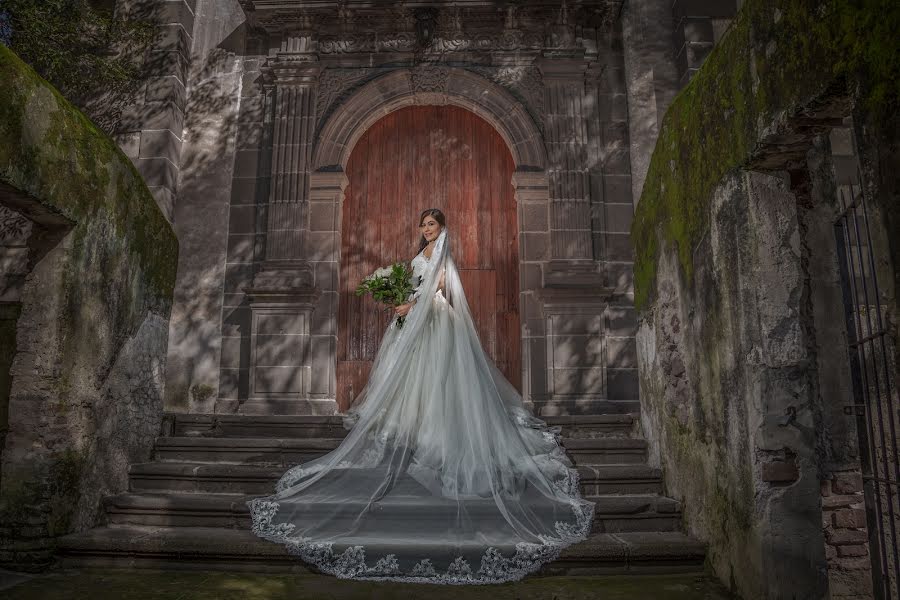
{"type": "Point", "coordinates": [444, 476]}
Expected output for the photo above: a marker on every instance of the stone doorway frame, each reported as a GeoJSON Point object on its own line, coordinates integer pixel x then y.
{"type": "Point", "coordinates": [440, 86]}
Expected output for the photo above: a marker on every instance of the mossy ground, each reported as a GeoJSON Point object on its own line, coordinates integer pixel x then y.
{"type": "Point", "coordinates": [190, 585]}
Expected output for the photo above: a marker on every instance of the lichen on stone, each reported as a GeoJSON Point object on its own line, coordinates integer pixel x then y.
{"type": "Point", "coordinates": [777, 58]}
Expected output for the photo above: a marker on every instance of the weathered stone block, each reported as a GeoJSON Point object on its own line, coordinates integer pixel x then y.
{"type": "Point", "coordinates": [280, 380]}
{"type": "Point", "coordinates": [241, 248]}
{"type": "Point", "coordinates": [621, 352]}
{"type": "Point", "coordinates": [280, 324]}
{"type": "Point", "coordinates": [534, 246]}
{"type": "Point", "coordinates": [246, 190]}
{"type": "Point", "coordinates": [622, 384]}
{"type": "Point", "coordinates": [534, 216]}
{"type": "Point", "coordinates": [235, 352]}
{"type": "Point", "coordinates": [843, 537]}
{"type": "Point", "coordinates": [859, 550]}
{"type": "Point", "coordinates": [576, 351]}
{"type": "Point", "coordinates": [246, 163]}
{"type": "Point", "coordinates": [619, 247]}
{"type": "Point", "coordinates": [322, 216]}
{"type": "Point", "coordinates": [157, 171]}
{"type": "Point", "coordinates": [847, 483]}
{"type": "Point", "coordinates": [281, 350]}
{"type": "Point", "coordinates": [242, 219]}
{"type": "Point", "coordinates": [160, 144]}
{"type": "Point", "coordinates": [849, 518]}
{"type": "Point", "coordinates": [237, 277]}
{"type": "Point", "coordinates": [619, 218]}
{"type": "Point", "coordinates": [587, 381]}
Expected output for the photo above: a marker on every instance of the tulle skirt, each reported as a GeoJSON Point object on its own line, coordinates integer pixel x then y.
{"type": "Point", "coordinates": [444, 476]}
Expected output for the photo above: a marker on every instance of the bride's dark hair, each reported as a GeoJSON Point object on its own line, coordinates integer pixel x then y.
{"type": "Point", "coordinates": [438, 216]}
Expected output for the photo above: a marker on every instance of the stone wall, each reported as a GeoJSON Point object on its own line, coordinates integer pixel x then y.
{"type": "Point", "coordinates": [742, 348]}
{"type": "Point", "coordinates": [86, 369]}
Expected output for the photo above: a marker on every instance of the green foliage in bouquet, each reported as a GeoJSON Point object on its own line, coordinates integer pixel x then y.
{"type": "Point", "coordinates": [390, 285]}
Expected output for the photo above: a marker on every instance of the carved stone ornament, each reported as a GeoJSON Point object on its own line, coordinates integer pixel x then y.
{"type": "Point", "coordinates": [14, 227]}
{"type": "Point", "coordinates": [429, 84]}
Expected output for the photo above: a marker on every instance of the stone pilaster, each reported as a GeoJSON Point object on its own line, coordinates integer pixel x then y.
{"type": "Point", "coordinates": [652, 78]}
{"type": "Point", "coordinates": [571, 254]}
{"type": "Point", "coordinates": [283, 294]}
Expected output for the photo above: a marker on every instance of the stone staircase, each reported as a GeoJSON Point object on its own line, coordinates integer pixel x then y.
{"type": "Point", "coordinates": [187, 508]}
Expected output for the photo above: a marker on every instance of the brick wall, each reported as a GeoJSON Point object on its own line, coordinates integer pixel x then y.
{"type": "Point", "coordinates": [846, 537]}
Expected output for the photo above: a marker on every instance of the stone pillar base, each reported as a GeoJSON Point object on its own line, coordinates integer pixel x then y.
{"type": "Point", "coordinates": [282, 300]}
{"type": "Point", "coordinates": [575, 274]}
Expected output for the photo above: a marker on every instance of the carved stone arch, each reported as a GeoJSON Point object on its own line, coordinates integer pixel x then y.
{"type": "Point", "coordinates": [430, 85]}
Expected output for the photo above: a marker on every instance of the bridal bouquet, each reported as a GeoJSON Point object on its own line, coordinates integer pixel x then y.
{"type": "Point", "coordinates": [391, 285]}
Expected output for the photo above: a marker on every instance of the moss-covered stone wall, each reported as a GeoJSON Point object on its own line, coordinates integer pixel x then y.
{"type": "Point", "coordinates": [780, 59]}
{"type": "Point", "coordinates": [86, 377]}
{"type": "Point", "coordinates": [728, 350]}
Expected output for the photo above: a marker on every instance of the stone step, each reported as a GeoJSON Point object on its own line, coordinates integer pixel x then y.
{"type": "Point", "coordinates": [261, 426]}
{"type": "Point", "coordinates": [260, 479]}
{"type": "Point", "coordinates": [216, 549]}
{"type": "Point", "coordinates": [613, 513]}
{"type": "Point", "coordinates": [292, 451]}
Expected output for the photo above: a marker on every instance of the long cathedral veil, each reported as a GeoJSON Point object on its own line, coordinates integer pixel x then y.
{"type": "Point", "coordinates": [444, 476]}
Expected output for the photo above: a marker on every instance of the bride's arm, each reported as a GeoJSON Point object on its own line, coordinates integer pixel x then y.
{"type": "Point", "coordinates": [441, 288]}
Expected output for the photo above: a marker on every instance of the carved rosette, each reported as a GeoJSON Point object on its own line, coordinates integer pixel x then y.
{"type": "Point", "coordinates": [429, 84]}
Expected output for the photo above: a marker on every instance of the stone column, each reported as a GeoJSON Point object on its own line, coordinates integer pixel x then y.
{"type": "Point", "coordinates": [282, 294]}
{"type": "Point", "coordinates": [565, 134]}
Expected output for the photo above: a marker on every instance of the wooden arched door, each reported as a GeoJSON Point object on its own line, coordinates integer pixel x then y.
{"type": "Point", "coordinates": [429, 157]}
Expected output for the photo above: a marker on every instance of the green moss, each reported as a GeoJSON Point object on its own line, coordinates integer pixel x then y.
{"type": "Point", "coordinates": [202, 392]}
{"type": "Point", "coordinates": [52, 151]}
{"type": "Point", "coordinates": [48, 490]}
{"type": "Point", "coordinates": [778, 57]}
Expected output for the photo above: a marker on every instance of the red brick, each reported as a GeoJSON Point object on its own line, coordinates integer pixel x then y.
{"type": "Point", "coordinates": [849, 517]}
{"type": "Point", "coordinates": [780, 472]}
{"type": "Point", "coordinates": [851, 563]}
{"type": "Point", "coordinates": [842, 537]}
{"type": "Point", "coordinates": [856, 550]}
{"type": "Point", "coordinates": [847, 483]}
{"type": "Point", "coordinates": [840, 501]}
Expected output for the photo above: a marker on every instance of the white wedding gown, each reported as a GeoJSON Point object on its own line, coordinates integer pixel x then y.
{"type": "Point", "coordinates": [444, 476]}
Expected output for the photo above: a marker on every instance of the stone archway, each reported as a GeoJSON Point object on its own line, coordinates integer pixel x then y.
{"type": "Point", "coordinates": [430, 85]}
{"type": "Point", "coordinates": [335, 142]}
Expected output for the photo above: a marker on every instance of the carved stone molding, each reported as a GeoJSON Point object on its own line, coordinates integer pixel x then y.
{"type": "Point", "coordinates": [436, 85]}
{"type": "Point", "coordinates": [523, 82]}
{"type": "Point", "coordinates": [353, 27]}
{"type": "Point", "coordinates": [335, 84]}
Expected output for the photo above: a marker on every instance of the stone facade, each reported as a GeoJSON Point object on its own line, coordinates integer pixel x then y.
{"type": "Point", "coordinates": [86, 279]}
{"type": "Point", "coordinates": [278, 94]}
